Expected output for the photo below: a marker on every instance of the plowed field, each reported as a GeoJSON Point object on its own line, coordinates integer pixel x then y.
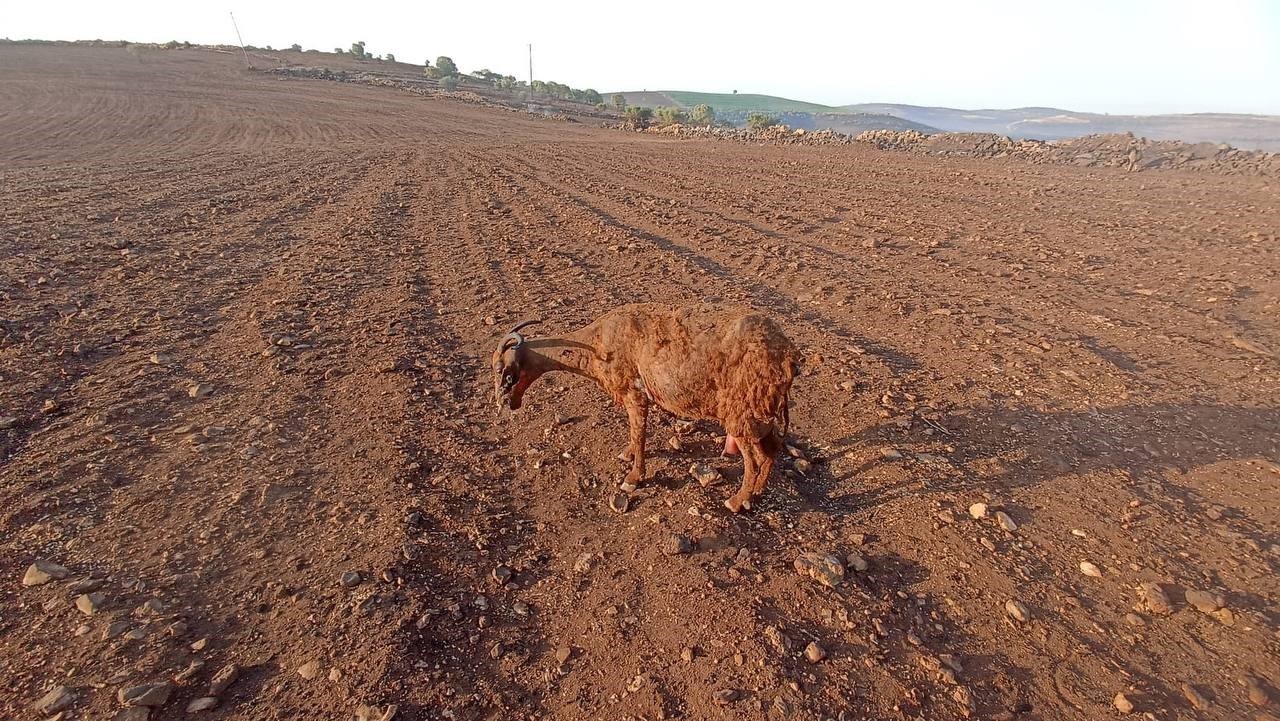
{"type": "Point", "coordinates": [244, 336]}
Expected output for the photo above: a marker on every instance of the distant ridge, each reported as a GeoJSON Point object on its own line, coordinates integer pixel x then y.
{"type": "Point", "coordinates": [1249, 132]}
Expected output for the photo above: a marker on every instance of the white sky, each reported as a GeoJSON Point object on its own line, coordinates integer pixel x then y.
{"type": "Point", "coordinates": [1118, 56]}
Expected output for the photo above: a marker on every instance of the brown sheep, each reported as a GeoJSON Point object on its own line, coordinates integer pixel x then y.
{"type": "Point", "coordinates": [696, 363]}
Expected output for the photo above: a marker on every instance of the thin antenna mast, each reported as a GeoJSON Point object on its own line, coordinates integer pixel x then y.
{"type": "Point", "coordinates": [244, 52]}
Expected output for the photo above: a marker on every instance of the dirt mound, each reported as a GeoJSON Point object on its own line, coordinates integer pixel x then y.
{"type": "Point", "coordinates": [249, 461]}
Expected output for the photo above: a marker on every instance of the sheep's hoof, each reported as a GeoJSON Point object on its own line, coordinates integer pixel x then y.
{"type": "Point", "coordinates": [624, 456]}
{"type": "Point", "coordinates": [628, 487]}
{"type": "Point", "coordinates": [733, 504]}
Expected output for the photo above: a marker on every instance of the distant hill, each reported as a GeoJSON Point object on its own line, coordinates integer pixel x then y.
{"type": "Point", "coordinates": [729, 102]}
{"type": "Point", "coordinates": [1250, 132]}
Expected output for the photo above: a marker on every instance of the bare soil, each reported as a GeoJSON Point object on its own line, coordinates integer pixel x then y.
{"type": "Point", "coordinates": [243, 352]}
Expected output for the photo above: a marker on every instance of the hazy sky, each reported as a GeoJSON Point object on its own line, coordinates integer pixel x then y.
{"type": "Point", "coordinates": [1118, 56]}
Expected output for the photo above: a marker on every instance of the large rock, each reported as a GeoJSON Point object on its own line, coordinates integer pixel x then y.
{"type": "Point", "coordinates": [821, 567]}
{"type": "Point", "coordinates": [223, 679]}
{"type": "Point", "coordinates": [42, 572]}
{"type": "Point", "coordinates": [1157, 601]}
{"type": "Point", "coordinates": [147, 694]}
{"type": "Point", "coordinates": [58, 698]}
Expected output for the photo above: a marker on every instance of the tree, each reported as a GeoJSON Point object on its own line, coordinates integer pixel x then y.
{"type": "Point", "coordinates": [357, 48]}
{"type": "Point", "coordinates": [449, 82]}
{"type": "Point", "coordinates": [446, 66]}
{"type": "Point", "coordinates": [339, 51]}
{"type": "Point", "coordinates": [296, 48]}
{"type": "Point", "coordinates": [592, 96]}
{"type": "Point", "coordinates": [619, 101]}
{"type": "Point", "coordinates": [703, 115]}
{"type": "Point", "coordinates": [391, 58]}
{"type": "Point", "coordinates": [757, 120]}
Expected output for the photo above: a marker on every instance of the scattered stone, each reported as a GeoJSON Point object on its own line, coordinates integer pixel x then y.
{"type": "Point", "coordinates": [779, 640]}
{"type": "Point", "coordinates": [1122, 703]}
{"type": "Point", "coordinates": [1157, 601]}
{"type": "Point", "coordinates": [133, 713]}
{"type": "Point", "coordinates": [42, 572]}
{"type": "Point", "coordinates": [200, 645]}
{"type": "Point", "coordinates": [946, 516]}
{"type": "Point", "coordinates": [204, 703]}
{"type": "Point", "coordinates": [159, 359]}
{"type": "Point", "coordinates": [686, 654]}
{"type": "Point", "coordinates": [802, 466]}
{"type": "Point", "coordinates": [814, 653]}
{"type": "Point", "coordinates": [502, 574]}
{"type": "Point", "coordinates": [890, 454]}
{"type": "Point", "coordinates": [147, 694]}
{"type": "Point", "coordinates": [1079, 533]}
{"type": "Point", "coordinates": [677, 545]}
{"type": "Point", "coordinates": [7, 422]}
{"type": "Point", "coordinates": [857, 562]}
{"type": "Point", "coordinates": [1090, 570]}
{"type": "Point", "coordinates": [199, 390]}
{"type": "Point", "coordinates": [309, 670]}
{"type": "Point", "coordinates": [726, 696]}
{"type": "Point", "coordinates": [978, 510]}
{"type": "Point", "coordinates": [584, 563]}
{"type": "Point", "coordinates": [90, 603]}
{"type": "Point", "coordinates": [1204, 601]}
{"type": "Point", "coordinates": [1017, 610]}
{"type": "Point", "coordinates": [371, 713]}
{"type": "Point", "coordinates": [1006, 522]}
{"type": "Point", "coordinates": [1134, 619]}
{"type": "Point", "coordinates": [350, 579]}
{"type": "Point", "coordinates": [183, 677]}
{"type": "Point", "coordinates": [115, 629]}
{"type": "Point", "coordinates": [1198, 700]}
{"type": "Point", "coordinates": [177, 628]}
{"type": "Point", "coordinates": [223, 679]}
{"type": "Point", "coordinates": [823, 568]}
{"type": "Point", "coordinates": [563, 654]}
{"type": "Point", "coordinates": [1258, 694]}
{"type": "Point", "coordinates": [58, 698]}
{"type": "Point", "coordinates": [619, 502]}
{"type": "Point", "coordinates": [150, 607]}
{"type": "Point", "coordinates": [704, 474]}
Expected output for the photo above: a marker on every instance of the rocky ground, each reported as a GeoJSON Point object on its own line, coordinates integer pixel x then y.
{"type": "Point", "coordinates": [250, 468]}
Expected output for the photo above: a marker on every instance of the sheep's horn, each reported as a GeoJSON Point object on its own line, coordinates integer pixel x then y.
{"type": "Point", "coordinates": [523, 324]}
{"type": "Point", "coordinates": [515, 336]}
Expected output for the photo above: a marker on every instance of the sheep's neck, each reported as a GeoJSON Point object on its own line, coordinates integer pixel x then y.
{"type": "Point", "coordinates": [567, 355]}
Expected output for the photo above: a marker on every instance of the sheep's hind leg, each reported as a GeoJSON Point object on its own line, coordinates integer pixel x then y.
{"type": "Point", "coordinates": [637, 415]}
{"type": "Point", "coordinates": [742, 499]}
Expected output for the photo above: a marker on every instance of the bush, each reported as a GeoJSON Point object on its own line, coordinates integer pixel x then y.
{"type": "Point", "coordinates": [390, 58]}
{"type": "Point", "coordinates": [357, 48]}
{"type": "Point", "coordinates": [296, 48]}
{"type": "Point", "coordinates": [619, 101]}
{"type": "Point", "coordinates": [637, 117]}
{"type": "Point", "coordinates": [670, 116]}
{"type": "Point", "coordinates": [446, 66]}
{"type": "Point", "coordinates": [703, 115]}
{"type": "Point", "coordinates": [757, 120]}
{"type": "Point", "coordinates": [449, 82]}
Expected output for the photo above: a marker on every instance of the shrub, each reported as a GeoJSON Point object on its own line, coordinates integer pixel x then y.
{"type": "Point", "coordinates": [757, 120]}
{"type": "Point", "coordinates": [357, 48]}
{"type": "Point", "coordinates": [591, 96]}
{"type": "Point", "coordinates": [446, 66]}
{"type": "Point", "coordinates": [670, 116]}
{"type": "Point", "coordinates": [296, 48]}
{"type": "Point", "coordinates": [703, 115]}
{"type": "Point", "coordinates": [619, 101]}
{"type": "Point", "coordinates": [449, 82]}
{"type": "Point", "coordinates": [637, 117]}
{"type": "Point", "coordinates": [390, 58]}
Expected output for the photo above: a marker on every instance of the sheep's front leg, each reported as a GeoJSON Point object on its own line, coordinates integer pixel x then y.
{"type": "Point", "coordinates": [742, 499]}
{"type": "Point", "coordinates": [637, 416]}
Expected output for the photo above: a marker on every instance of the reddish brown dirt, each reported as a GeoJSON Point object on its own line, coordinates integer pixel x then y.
{"type": "Point", "coordinates": [1085, 349]}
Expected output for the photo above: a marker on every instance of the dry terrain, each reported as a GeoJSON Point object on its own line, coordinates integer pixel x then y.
{"type": "Point", "coordinates": [247, 438]}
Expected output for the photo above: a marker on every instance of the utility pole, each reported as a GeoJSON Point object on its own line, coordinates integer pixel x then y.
{"type": "Point", "coordinates": [242, 50]}
{"type": "Point", "coordinates": [530, 77]}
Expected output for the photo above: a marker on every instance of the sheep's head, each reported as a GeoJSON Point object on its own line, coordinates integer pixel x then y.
{"type": "Point", "coordinates": [511, 375]}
